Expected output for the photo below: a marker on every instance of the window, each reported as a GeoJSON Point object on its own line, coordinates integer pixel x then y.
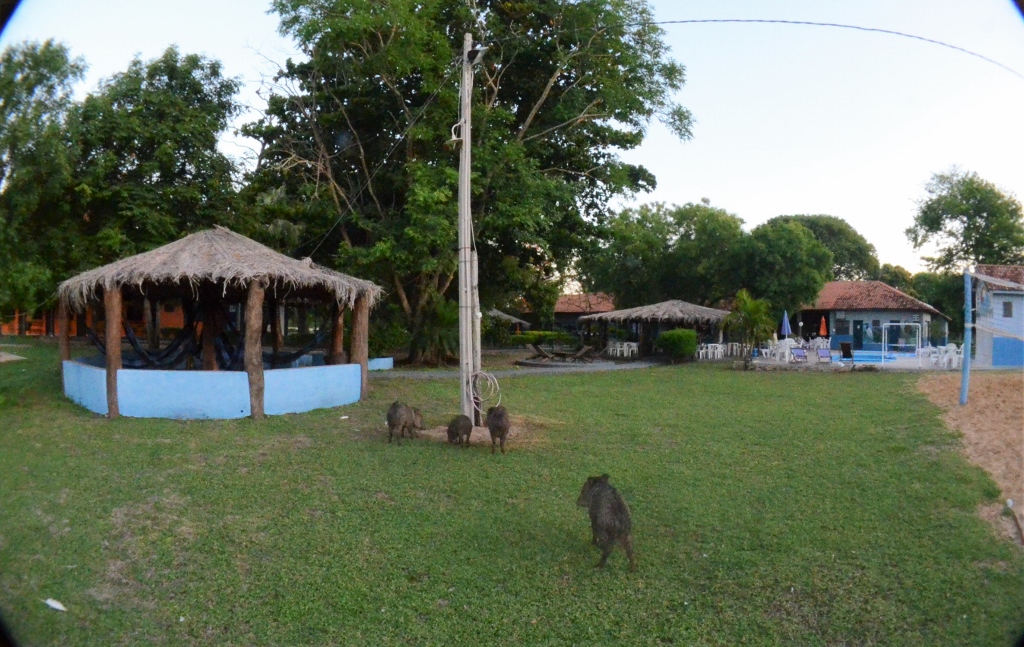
{"type": "Point", "coordinates": [1007, 308]}
{"type": "Point", "coordinates": [168, 307]}
{"type": "Point", "coordinates": [876, 323]}
{"type": "Point", "coordinates": [842, 327]}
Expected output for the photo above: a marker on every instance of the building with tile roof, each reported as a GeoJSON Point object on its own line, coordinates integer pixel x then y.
{"type": "Point", "coordinates": [999, 316]}
{"type": "Point", "coordinates": [855, 311]}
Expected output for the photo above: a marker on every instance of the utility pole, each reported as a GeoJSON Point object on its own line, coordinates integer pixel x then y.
{"type": "Point", "coordinates": [469, 296]}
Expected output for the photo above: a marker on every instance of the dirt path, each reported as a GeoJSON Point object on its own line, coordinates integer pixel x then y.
{"type": "Point", "coordinates": [992, 424]}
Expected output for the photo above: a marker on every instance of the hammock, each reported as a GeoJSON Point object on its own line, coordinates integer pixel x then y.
{"type": "Point", "coordinates": [275, 360]}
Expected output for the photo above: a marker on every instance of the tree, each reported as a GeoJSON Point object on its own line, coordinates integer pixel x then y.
{"type": "Point", "coordinates": [853, 257]}
{"type": "Point", "coordinates": [149, 169]}
{"type": "Point", "coordinates": [784, 263]}
{"type": "Point", "coordinates": [971, 220]}
{"type": "Point", "coordinates": [897, 276]}
{"type": "Point", "coordinates": [36, 157]}
{"type": "Point", "coordinates": [654, 253]}
{"type": "Point", "coordinates": [752, 318]}
{"type": "Point", "coordinates": [358, 136]}
{"type": "Point", "coordinates": [945, 292]}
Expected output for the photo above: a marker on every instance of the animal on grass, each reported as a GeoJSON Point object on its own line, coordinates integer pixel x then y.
{"type": "Point", "coordinates": [401, 419]}
{"type": "Point", "coordinates": [459, 429]}
{"type": "Point", "coordinates": [610, 521]}
{"type": "Point", "coordinates": [498, 424]}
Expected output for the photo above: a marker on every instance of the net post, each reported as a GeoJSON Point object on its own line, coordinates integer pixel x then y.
{"type": "Point", "coordinates": [965, 372]}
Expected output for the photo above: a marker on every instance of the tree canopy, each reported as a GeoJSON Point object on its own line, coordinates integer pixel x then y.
{"type": "Point", "coordinates": [358, 136]}
{"type": "Point", "coordinates": [784, 263]}
{"type": "Point", "coordinates": [971, 220]}
{"type": "Point", "coordinates": [853, 257]}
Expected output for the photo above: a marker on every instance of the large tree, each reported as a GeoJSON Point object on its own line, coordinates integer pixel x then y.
{"type": "Point", "coordinates": [149, 169]}
{"type": "Point", "coordinates": [654, 252]}
{"type": "Point", "coordinates": [853, 257]}
{"type": "Point", "coordinates": [358, 136]}
{"type": "Point", "coordinates": [971, 220]}
{"type": "Point", "coordinates": [784, 263]}
{"type": "Point", "coordinates": [36, 160]}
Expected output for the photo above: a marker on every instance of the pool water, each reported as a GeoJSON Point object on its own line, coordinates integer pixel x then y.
{"type": "Point", "coordinates": [875, 356]}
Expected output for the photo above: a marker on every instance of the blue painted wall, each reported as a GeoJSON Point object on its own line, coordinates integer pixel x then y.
{"type": "Point", "coordinates": [294, 390]}
{"type": "Point", "coordinates": [381, 364]}
{"type": "Point", "coordinates": [183, 395]}
{"type": "Point", "coordinates": [1007, 351]}
{"type": "Point", "coordinates": [86, 385]}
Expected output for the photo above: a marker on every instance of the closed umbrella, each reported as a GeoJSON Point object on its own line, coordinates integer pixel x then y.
{"type": "Point", "coordinates": [786, 330]}
{"type": "Point", "coordinates": [824, 328]}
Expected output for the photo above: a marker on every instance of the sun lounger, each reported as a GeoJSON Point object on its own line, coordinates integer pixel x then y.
{"type": "Point", "coordinates": [799, 355]}
{"type": "Point", "coordinates": [583, 355]}
{"type": "Point", "coordinates": [539, 353]}
{"type": "Point", "coordinates": [846, 351]}
{"type": "Point", "coordinates": [824, 355]}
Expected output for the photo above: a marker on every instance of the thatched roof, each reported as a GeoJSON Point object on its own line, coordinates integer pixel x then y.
{"type": "Point", "coordinates": [498, 314]}
{"type": "Point", "coordinates": [668, 311]}
{"type": "Point", "coordinates": [221, 258]}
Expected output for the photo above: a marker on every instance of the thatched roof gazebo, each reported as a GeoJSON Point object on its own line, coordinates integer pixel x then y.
{"type": "Point", "coordinates": [653, 316]}
{"type": "Point", "coordinates": [214, 267]}
{"type": "Point", "coordinates": [678, 312]}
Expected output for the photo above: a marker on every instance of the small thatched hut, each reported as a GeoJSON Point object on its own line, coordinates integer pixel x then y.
{"type": "Point", "coordinates": [211, 268]}
{"type": "Point", "coordinates": [653, 316]}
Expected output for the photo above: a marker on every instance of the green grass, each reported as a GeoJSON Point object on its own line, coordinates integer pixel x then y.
{"type": "Point", "coordinates": [789, 508]}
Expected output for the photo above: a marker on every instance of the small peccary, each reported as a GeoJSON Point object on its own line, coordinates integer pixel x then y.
{"type": "Point", "coordinates": [402, 418]}
{"type": "Point", "coordinates": [460, 428]}
{"type": "Point", "coordinates": [610, 521]}
{"type": "Point", "coordinates": [498, 424]}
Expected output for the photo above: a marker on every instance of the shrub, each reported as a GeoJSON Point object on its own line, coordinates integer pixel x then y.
{"type": "Point", "coordinates": [680, 344]}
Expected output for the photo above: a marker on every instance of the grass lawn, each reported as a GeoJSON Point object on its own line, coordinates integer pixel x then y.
{"type": "Point", "coordinates": [779, 508]}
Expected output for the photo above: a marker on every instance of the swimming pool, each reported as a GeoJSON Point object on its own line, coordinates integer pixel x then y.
{"type": "Point", "coordinates": [875, 356]}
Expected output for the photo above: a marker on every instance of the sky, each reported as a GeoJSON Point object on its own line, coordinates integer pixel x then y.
{"type": "Point", "coordinates": [789, 119]}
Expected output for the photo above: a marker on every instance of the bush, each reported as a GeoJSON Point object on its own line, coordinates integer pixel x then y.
{"type": "Point", "coordinates": [680, 344]}
{"type": "Point", "coordinates": [541, 337]}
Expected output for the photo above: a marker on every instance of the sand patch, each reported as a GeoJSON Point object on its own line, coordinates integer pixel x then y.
{"type": "Point", "coordinates": [992, 424]}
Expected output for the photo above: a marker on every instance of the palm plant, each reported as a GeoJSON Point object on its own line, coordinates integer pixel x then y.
{"type": "Point", "coordinates": [752, 318]}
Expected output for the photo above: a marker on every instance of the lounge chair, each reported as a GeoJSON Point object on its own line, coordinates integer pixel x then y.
{"type": "Point", "coordinates": [824, 355]}
{"type": "Point", "coordinates": [539, 353]}
{"type": "Point", "coordinates": [583, 355]}
{"type": "Point", "coordinates": [799, 355]}
{"type": "Point", "coordinates": [846, 351]}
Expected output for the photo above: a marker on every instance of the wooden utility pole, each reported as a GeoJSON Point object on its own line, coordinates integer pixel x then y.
{"type": "Point", "coordinates": [469, 300]}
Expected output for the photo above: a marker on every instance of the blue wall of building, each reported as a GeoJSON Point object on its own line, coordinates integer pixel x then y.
{"type": "Point", "coordinates": [86, 385]}
{"type": "Point", "coordinates": [183, 395]}
{"type": "Point", "coordinates": [295, 390]}
{"type": "Point", "coordinates": [1007, 351]}
{"type": "Point", "coordinates": [189, 395]}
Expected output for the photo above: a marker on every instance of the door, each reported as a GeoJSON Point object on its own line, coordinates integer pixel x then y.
{"type": "Point", "coordinates": [858, 334]}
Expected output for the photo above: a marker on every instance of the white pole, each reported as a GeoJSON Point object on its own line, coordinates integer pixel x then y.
{"type": "Point", "coordinates": [465, 288]}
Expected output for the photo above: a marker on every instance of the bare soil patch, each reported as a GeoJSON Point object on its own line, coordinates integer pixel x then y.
{"type": "Point", "coordinates": [525, 431]}
{"type": "Point", "coordinates": [992, 424]}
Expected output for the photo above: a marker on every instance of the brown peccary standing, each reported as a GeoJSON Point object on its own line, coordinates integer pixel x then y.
{"type": "Point", "coordinates": [610, 521]}
{"type": "Point", "coordinates": [402, 418]}
{"type": "Point", "coordinates": [498, 424]}
{"type": "Point", "coordinates": [460, 428]}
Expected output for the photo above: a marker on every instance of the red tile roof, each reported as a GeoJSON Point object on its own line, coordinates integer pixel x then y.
{"type": "Point", "coordinates": [867, 295]}
{"type": "Point", "coordinates": [584, 303]}
{"type": "Point", "coordinates": [1013, 273]}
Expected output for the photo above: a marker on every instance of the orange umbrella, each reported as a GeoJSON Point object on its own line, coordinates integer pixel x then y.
{"type": "Point", "coordinates": [824, 328]}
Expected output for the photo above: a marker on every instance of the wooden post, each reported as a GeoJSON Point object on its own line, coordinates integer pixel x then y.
{"type": "Point", "coordinates": [337, 350]}
{"type": "Point", "coordinates": [151, 312]}
{"type": "Point", "coordinates": [211, 328]}
{"type": "Point", "coordinates": [63, 332]}
{"type": "Point", "coordinates": [112, 329]}
{"type": "Point", "coordinates": [359, 351]}
{"type": "Point", "coordinates": [277, 325]}
{"type": "Point", "coordinates": [254, 347]}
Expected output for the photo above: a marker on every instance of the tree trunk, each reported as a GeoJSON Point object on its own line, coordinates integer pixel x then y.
{"type": "Point", "coordinates": [359, 352]}
{"type": "Point", "coordinates": [112, 326]}
{"type": "Point", "coordinates": [64, 332]}
{"type": "Point", "coordinates": [277, 326]}
{"type": "Point", "coordinates": [254, 347]}
{"type": "Point", "coordinates": [336, 355]}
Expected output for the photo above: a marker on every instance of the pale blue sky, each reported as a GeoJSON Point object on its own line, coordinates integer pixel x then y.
{"type": "Point", "coordinates": [790, 119]}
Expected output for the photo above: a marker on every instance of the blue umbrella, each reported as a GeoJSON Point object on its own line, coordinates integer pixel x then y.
{"type": "Point", "coordinates": [786, 330]}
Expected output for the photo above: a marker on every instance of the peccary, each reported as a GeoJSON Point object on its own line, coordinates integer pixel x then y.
{"type": "Point", "coordinates": [610, 521]}
{"type": "Point", "coordinates": [460, 428]}
{"type": "Point", "coordinates": [402, 418]}
{"type": "Point", "coordinates": [498, 424]}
